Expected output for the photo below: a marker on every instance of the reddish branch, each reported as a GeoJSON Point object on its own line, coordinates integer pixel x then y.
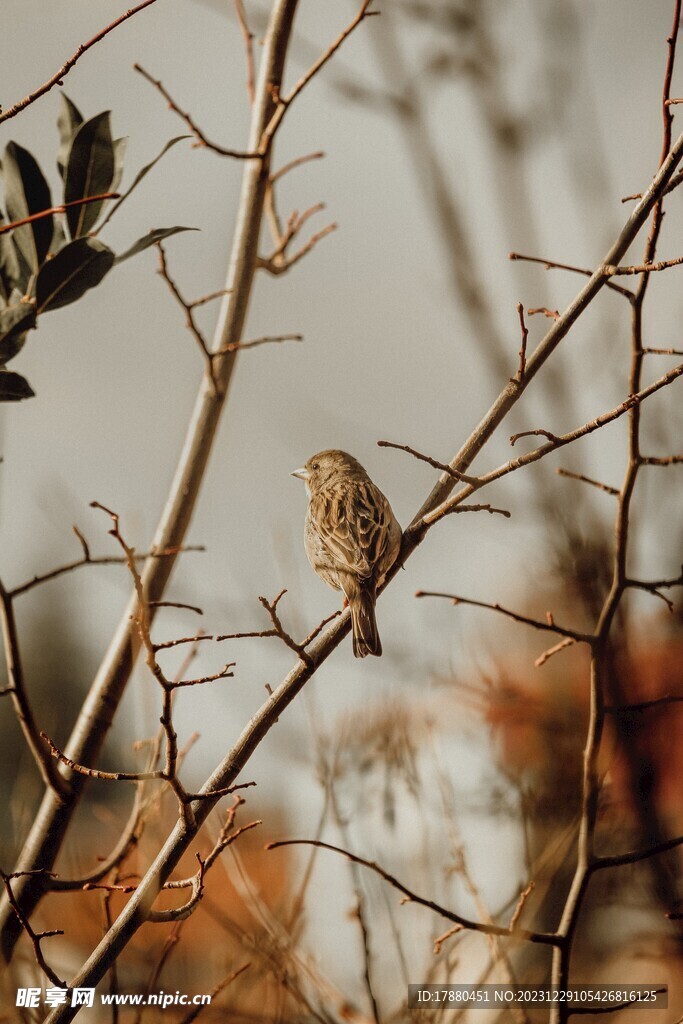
{"type": "Point", "coordinates": [522, 352]}
{"type": "Point", "coordinates": [59, 76]}
{"type": "Point", "coordinates": [57, 209]}
{"type": "Point", "coordinates": [587, 480]}
{"type": "Point", "coordinates": [200, 137]}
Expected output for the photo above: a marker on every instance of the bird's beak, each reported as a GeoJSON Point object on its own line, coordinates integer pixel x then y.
{"type": "Point", "coordinates": [302, 473]}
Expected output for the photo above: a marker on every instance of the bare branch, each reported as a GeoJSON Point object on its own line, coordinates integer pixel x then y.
{"type": "Point", "coordinates": [193, 1014]}
{"type": "Point", "coordinates": [248, 37]}
{"type": "Point", "coordinates": [190, 321]}
{"type": "Point", "coordinates": [665, 460]}
{"type": "Point", "coordinates": [560, 441]}
{"type": "Point", "coordinates": [267, 339]}
{"type": "Point", "coordinates": [552, 265]}
{"type": "Point", "coordinates": [643, 268]}
{"type": "Point", "coordinates": [587, 480]}
{"type": "Point", "coordinates": [4, 228]}
{"type": "Point", "coordinates": [297, 162]}
{"type": "Point", "coordinates": [544, 938]}
{"type": "Point", "coordinates": [35, 937]}
{"type": "Point", "coordinates": [61, 570]}
{"type": "Point", "coordinates": [59, 76]}
{"type": "Point", "coordinates": [533, 433]}
{"type": "Point", "coordinates": [202, 140]}
{"type": "Point", "coordinates": [443, 466]}
{"type": "Point", "coordinates": [635, 856]}
{"type": "Point", "coordinates": [17, 691]}
{"type": "Point", "coordinates": [542, 658]}
{"type": "Point", "coordinates": [523, 897]}
{"type": "Point", "coordinates": [550, 626]}
{"type": "Point", "coordinates": [522, 352]}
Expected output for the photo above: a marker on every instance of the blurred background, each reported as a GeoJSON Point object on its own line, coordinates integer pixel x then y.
{"type": "Point", "coordinates": [454, 131]}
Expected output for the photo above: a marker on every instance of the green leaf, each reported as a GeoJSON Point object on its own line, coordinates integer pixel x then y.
{"type": "Point", "coordinates": [80, 265]}
{"type": "Point", "coordinates": [14, 323]}
{"type": "Point", "coordinates": [150, 239]}
{"type": "Point", "coordinates": [140, 175]}
{"type": "Point", "coordinates": [14, 387]}
{"type": "Point", "coordinates": [89, 172]}
{"type": "Point", "coordinates": [26, 192]}
{"type": "Point", "coordinates": [120, 147]}
{"type": "Point", "coordinates": [10, 273]}
{"type": "Point", "coordinates": [68, 122]}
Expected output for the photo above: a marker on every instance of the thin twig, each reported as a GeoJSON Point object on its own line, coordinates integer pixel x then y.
{"type": "Point", "coordinates": [542, 658]}
{"type": "Point", "coordinates": [443, 466]}
{"type": "Point", "coordinates": [57, 209]}
{"type": "Point", "coordinates": [35, 937]}
{"type": "Point", "coordinates": [59, 76]}
{"type": "Point", "coordinates": [202, 140]}
{"type": "Point", "coordinates": [553, 265]}
{"type": "Point", "coordinates": [297, 162]}
{"type": "Point", "coordinates": [248, 37]}
{"type": "Point", "coordinates": [267, 339]}
{"type": "Point", "coordinates": [587, 480]}
{"type": "Point", "coordinates": [522, 352]}
{"type": "Point", "coordinates": [17, 691]}
{"type": "Point", "coordinates": [549, 626]}
{"type": "Point", "coordinates": [544, 938]}
{"type": "Point", "coordinates": [643, 268]}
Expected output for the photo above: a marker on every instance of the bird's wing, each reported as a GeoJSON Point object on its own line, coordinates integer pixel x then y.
{"type": "Point", "coordinates": [353, 526]}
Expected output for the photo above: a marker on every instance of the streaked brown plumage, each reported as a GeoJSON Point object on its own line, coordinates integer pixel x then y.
{"type": "Point", "coordinates": [351, 537]}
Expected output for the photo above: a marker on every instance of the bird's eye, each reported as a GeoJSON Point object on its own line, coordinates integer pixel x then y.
{"type": "Point", "coordinates": [315, 465]}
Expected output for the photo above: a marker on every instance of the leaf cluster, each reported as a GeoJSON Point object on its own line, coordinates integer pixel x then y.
{"type": "Point", "coordinates": [55, 257]}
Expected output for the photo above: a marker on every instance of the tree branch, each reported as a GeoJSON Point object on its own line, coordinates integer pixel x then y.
{"type": "Point", "coordinates": [59, 76]}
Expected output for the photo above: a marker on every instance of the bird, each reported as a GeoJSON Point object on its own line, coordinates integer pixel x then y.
{"type": "Point", "coordinates": [351, 537]}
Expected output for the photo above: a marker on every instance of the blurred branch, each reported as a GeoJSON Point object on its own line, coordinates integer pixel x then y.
{"type": "Point", "coordinates": [17, 691]}
{"type": "Point", "coordinates": [602, 678]}
{"type": "Point", "coordinates": [87, 559]}
{"type": "Point", "coordinates": [58, 77]}
{"type": "Point", "coordinates": [248, 37]}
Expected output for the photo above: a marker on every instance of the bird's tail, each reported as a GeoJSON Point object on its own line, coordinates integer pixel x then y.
{"type": "Point", "coordinates": [365, 636]}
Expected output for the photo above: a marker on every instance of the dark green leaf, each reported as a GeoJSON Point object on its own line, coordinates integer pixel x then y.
{"type": "Point", "coordinates": [140, 175]}
{"type": "Point", "coordinates": [150, 239]}
{"type": "Point", "coordinates": [26, 192]}
{"type": "Point", "coordinates": [14, 387]}
{"type": "Point", "coordinates": [80, 265]}
{"type": "Point", "coordinates": [69, 120]}
{"type": "Point", "coordinates": [10, 273]}
{"type": "Point", "coordinates": [14, 323]}
{"type": "Point", "coordinates": [89, 172]}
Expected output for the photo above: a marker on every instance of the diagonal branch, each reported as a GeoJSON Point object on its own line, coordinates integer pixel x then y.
{"type": "Point", "coordinates": [544, 938]}
{"type": "Point", "coordinates": [59, 76]}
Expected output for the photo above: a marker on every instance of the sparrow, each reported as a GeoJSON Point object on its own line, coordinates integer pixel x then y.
{"type": "Point", "coordinates": [351, 537]}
